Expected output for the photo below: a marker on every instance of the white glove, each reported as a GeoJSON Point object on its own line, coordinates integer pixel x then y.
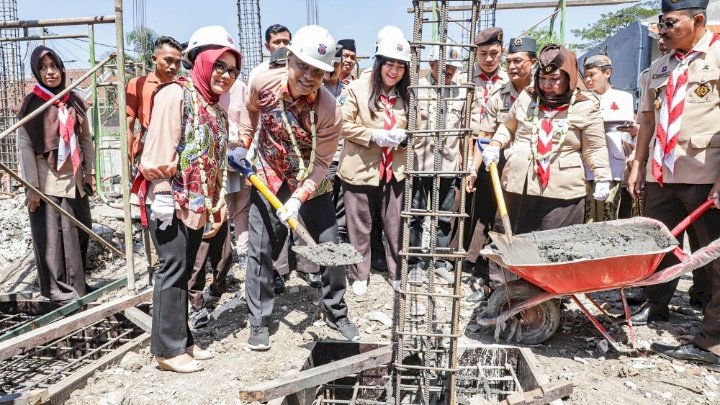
{"type": "Point", "coordinates": [398, 135]}
{"type": "Point", "coordinates": [384, 138]}
{"type": "Point", "coordinates": [491, 154]}
{"type": "Point", "coordinates": [237, 154]}
{"type": "Point", "coordinates": [289, 210]}
{"type": "Point", "coordinates": [602, 190]}
{"type": "Point", "coordinates": [163, 210]}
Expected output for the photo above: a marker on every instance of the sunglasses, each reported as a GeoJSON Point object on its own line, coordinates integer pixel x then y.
{"type": "Point", "coordinates": [222, 68]}
{"type": "Point", "coordinates": [661, 25]}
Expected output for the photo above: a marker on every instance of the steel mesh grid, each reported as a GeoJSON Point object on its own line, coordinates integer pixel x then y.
{"type": "Point", "coordinates": [251, 39]}
{"type": "Point", "coordinates": [11, 82]}
{"type": "Point", "coordinates": [46, 365]}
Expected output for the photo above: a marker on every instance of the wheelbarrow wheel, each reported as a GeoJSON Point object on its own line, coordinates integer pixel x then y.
{"type": "Point", "coordinates": [532, 326]}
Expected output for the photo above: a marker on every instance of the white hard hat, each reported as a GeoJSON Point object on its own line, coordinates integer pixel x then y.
{"type": "Point", "coordinates": [209, 35]}
{"type": "Point", "coordinates": [394, 48]}
{"type": "Point", "coordinates": [388, 31]}
{"type": "Point", "coordinates": [315, 46]}
{"type": "Point", "coordinates": [453, 55]}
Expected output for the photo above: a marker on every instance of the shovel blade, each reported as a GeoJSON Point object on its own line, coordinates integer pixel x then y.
{"type": "Point", "coordinates": [330, 254]}
{"type": "Point", "coordinates": [518, 251]}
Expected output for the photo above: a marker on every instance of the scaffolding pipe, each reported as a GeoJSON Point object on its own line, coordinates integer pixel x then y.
{"type": "Point", "coordinates": [124, 161]}
{"type": "Point", "coordinates": [96, 130]}
{"type": "Point", "coordinates": [56, 22]}
{"type": "Point", "coordinates": [57, 97]}
{"type": "Point", "coordinates": [43, 37]}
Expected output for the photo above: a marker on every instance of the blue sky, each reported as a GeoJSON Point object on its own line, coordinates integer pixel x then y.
{"type": "Point", "coordinates": [358, 19]}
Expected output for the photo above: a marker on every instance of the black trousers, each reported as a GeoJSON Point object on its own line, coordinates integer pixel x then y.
{"type": "Point", "coordinates": [670, 204]}
{"type": "Point", "coordinates": [60, 247]}
{"type": "Point", "coordinates": [218, 250]}
{"type": "Point", "coordinates": [338, 200]}
{"type": "Point", "coordinates": [177, 247]}
{"type": "Point", "coordinates": [422, 193]}
{"type": "Point", "coordinates": [267, 236]}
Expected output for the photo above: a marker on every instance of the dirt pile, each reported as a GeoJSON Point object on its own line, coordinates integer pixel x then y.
{"type": "Point", "coordinates": [15, 240]}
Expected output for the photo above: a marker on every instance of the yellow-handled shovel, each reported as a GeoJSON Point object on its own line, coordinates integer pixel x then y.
{"type": "Point", "coordinates": [502, 209]}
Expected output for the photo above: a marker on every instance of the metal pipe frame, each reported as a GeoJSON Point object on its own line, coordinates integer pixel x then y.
{"type": "Point", "coordinates": [43, 37]}
{"type": "Point", "coordinates": [56, 22]}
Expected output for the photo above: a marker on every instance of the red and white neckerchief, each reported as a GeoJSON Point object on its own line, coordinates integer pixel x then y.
{"type": "Point", "coordinates": [67, 147]}
{"type": "Point", "coordinates": [387, 153]}
{"type": "Point", "coordinates": [668, 127]}
{"type": "Point", "coordinates": [543, 131]}
{"type": "Point", "coordinates": [489, 84]}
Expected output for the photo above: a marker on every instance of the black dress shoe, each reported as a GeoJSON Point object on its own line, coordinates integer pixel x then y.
{"type": "Point", "coordinates": [688, 352]}
{"type": "Point", "coordinates": [90, 288]}
{"type": "Point", "coordinates": [278, 284]}
{"type": "Point", "coordinates": [650, 313]}
{"type": "Point", "coordinates": [379, 265]}
{"type": "Point", "coordinates": [635, 296]}
{"type": "Point", "coordinates": [314, 280]}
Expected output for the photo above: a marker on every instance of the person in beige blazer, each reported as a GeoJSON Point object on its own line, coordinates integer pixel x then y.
{"type": "Point", "coordinates": [544, 182]}
{"type": "Point", "coordinates": [372, 164]}
{"type": "Point", "coordinates": [63, 171]}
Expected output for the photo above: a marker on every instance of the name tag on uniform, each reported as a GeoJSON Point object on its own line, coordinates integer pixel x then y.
{"type": "Point", "coordinates": [659, 75]}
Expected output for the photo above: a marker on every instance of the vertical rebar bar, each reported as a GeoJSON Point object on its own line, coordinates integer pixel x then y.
{"type": "Point", "coordinates": [11, 82]}
{"type": "Point", "coordinates": [124, 162]}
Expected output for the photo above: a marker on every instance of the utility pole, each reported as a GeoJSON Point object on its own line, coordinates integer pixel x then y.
{"type": "Point", "coordinates": [563, 7]}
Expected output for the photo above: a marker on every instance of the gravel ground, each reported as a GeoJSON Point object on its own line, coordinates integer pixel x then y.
{"type": "Point", "coordinates": [576, 352]}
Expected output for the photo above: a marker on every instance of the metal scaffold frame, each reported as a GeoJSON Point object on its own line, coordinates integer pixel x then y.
{"type": "Point", "coordinates": [11, 81]}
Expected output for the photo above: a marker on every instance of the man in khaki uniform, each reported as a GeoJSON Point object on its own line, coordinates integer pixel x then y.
{"type": "Point", "coordinates": [521, 60]}
{"type": "Point", "coordinates": [680, 175]}
{"type": "Point", "coordinates": [488, 76]}
{"type": "Point", "coordinates": [452, 112]}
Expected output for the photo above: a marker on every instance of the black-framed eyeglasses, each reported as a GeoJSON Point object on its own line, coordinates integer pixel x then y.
{"type": "Point", "coordinates": [518, 61]}
{"type": "Point", "coordinates": [661, 25]}
{"type": "Point", "coordinates": [222, 68]}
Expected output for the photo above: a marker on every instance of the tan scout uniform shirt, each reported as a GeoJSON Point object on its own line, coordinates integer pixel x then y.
{"type": "Point", "coordinates": [360, 159]}
{"type": "Point", "coordinates": [585, 141]}
{"type": "Point", "coordinates": [697, 153]}
{"type": "Point", "coordinates": [498, 107]}
{"type": "Point", "coordinates": [478, 105]}
{"type": "Point", "coordinates": [35, 170]}
{"type": "Point", "coordinates": [427, 107]}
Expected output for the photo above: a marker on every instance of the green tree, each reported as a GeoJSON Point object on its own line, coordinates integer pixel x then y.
{"type": "Point", "coordinates": [543, 36]}
{"type": "Point", "coordinates": [142, 40]}
{"type": "Point", "coordinates": [610, 23]}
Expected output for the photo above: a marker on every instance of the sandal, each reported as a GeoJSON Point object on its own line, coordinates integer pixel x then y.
{"type": "Point", "coordinates": [168, 364]}
{"type": "Point", "coordinates": [199, 354]}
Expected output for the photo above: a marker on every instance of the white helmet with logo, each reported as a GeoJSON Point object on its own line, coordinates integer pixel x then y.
{"type": "Point", "coordinates": [453, 55]}
{"type": "Point", "coordinates": [315, 46]}
{"type": "Point", "coordinates": [209, 35]}
{"type": "Point", "coordinates": [394, 48]}
{"type": "Point", "coordinates": [388, 31]}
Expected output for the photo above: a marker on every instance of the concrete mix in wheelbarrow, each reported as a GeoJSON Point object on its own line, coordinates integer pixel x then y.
{"type": "Point", "coordinates": [598, 240]}
{"type": "Point", "coordinates": [330, 254]}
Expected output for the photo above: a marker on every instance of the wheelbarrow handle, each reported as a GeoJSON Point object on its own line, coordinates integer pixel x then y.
{"type": "Point", "coordinates": [699, 211]}
{"type": "Point", "coordinates": [244, 167]}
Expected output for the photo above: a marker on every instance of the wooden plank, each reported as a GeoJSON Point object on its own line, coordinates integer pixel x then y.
{"type": "Point", "coordinates": [34, 397]}
{"type": "Point", "coordinates": [60, 392]}
{"type": "Point", "coordinates": [139, 318]}
{"type": "Point", "coordinates": [541, 396]}
{"type": "Point", "coordinates": [282, 386]}
{"type": "Point", "coordinates": [539, 4]}
{"type": "Point", "coordinates": [16, 296]}
{"type": "Point", "coordinates": [64, 326]}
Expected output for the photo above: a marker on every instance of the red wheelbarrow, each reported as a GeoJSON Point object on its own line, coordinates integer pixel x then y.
{"type": "Point", "coordinates": [527, 312]}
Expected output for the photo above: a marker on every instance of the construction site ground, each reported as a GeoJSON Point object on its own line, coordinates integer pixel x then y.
{"type": "Point", "coordinates": [576, 352]}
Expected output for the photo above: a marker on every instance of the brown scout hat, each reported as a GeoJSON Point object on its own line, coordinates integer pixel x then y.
{"type": "Point", "coordinates": [489, 36]}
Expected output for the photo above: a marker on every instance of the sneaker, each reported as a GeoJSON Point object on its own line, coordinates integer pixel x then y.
{"type": "Point", "coordinates": [379, 265]}
{"type": "Point", "coordinates": [345, 327]}
{"type": "Point", "coordinates": [278, 283]}
{"type": "Point", "coordinates": [415, 276]}
{"type": "Point", "coordinates": [359, 287]}
{"type": "Point", "coordinates": [199, 318]}
{"type": "Point", "coordinates": [211, 300]}
{"type": "Point", "coordinates": [242, 261]}
{"type": "Point", "coordinates": [259, 338]}
{"type": "Point", "coordinates": [314, 280]}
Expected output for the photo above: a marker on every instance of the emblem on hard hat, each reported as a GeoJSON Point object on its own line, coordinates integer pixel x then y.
{"type": "Point", "coordinates": [453, 54]}
{"type": "Point", "coordinates": [399, 47]}
{"type": "Point", "coordinates": [322, 49]}
{"type": "Point", "coordinates": [518, 42]}
{"type": "Point", "coordinates": [229, 38]}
